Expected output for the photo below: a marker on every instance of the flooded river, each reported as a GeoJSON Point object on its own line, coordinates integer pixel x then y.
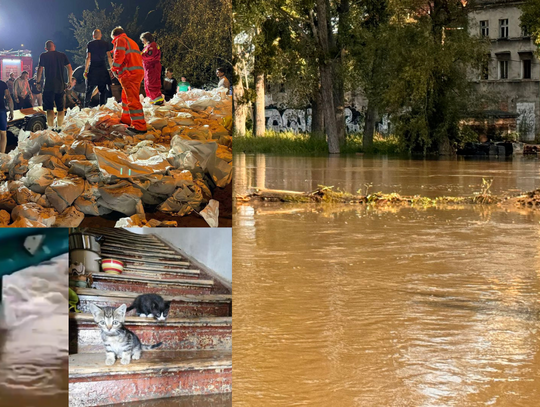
{"type": "Point", "coordinates": [345, 306]}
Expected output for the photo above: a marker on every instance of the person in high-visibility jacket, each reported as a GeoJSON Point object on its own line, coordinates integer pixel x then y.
{"type": "Point", "coordinates": [128, 68]}
{"type": "Point", "coordinates": [151, 56]}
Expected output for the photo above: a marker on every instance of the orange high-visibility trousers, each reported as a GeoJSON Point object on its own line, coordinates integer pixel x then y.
{"type": "Point", "coordinates": [132, 110]}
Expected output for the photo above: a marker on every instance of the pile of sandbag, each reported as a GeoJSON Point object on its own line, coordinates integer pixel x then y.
{"type": "Point", "coordinates": [95, 166]}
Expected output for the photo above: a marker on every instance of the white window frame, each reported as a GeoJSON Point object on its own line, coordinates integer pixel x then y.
{"type": "Point", "coordinates": [504, 30]}
{"type": "Point", "coordinates": [484, 29]}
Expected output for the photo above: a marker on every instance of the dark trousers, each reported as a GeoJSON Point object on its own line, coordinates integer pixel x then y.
{"type": "Point", "coordinates": [97, 77]}
{"type": "Point", "coordinates": [24, 103]}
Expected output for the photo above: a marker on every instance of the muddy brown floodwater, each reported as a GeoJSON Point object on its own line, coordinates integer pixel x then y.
{"type": "Point", "coordinates": [338, 305]}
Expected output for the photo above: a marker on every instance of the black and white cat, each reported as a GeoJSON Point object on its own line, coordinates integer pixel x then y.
{"type": "Point", "coordinates": [119, 341]}
{"type": "Point", "coordinates": [151, 306]}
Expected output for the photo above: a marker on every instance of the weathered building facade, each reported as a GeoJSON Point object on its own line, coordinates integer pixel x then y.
{"type": "Point", "coordinates": [511, 77]}
{"type": "Point", "coordinates": [513, 71]}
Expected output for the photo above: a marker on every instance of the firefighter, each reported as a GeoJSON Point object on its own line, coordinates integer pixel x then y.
{"type": "Point", "coordinates": [151, 56]}
{"type": "Point", "coordinates": [128, 68]}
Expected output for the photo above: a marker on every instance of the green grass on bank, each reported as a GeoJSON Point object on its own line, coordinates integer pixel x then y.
{"type": "Point", "coordinates": [304, 144]}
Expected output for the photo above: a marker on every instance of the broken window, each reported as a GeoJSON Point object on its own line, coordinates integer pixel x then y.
{"type": "Point", "coordinates": [527, 68]}
{"type": "Point", "coordinates": [484, 28]}
{"type": "Point", "coordinates": [503, 28]}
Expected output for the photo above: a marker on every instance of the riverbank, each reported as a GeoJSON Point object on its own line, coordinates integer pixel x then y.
{"type": "Point", "coordinates": [288, 143]}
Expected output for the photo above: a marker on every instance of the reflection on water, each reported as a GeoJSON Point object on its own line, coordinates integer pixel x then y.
{"type": "Point", "coordinates": [345, 306]}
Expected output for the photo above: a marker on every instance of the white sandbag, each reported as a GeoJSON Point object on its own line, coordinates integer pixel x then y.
{"type": "Point", "coordinates": [5, 218]}
{"type": "Point", "coordinates": [211, 213]}
{"type": "Point", "coordinates": [184, 200]}
{"type": "Point", "coordinates": [5, 159]}
{"type": "Point", "coordinates": [157, 123]}
{"type": "Point", "coordinates": [121, 197]}
{"type": "Point", "coordinates": [82, 147]}
{"type": "Point", "coordinates": [87, 201]}
{"type": "Point", "coordinates": [18, 167]}
{"type": "Point", "coordinates": [39, 178]}
{"type": "Point", "coordinates": [7, 201]}
{"type": "Point", "coordinates": [24, 195]}
{"type": "Point", "coordinates": [27, 223]}
{"type": "Point", "coordinates": [205, 153]}
{"type": "Point", "coordinates": [182, 161]}
{"type": "Point", "coordinates": [70, 218]}
{"type": "Point", "coordinates": [113, 162]}
{"type": "Point", "coordinates": [165, 186]}
{"type": "Point", "coordinates": [34, 212]}
{"type": "Point", "coordinates": [135, 221]}
{"type": "Point", "coordinates": [61, 193]}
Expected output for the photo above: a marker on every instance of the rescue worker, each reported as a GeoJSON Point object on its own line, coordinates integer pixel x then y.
{"type": "Point", "coordinates": [151, 56]}
{"type": "Point", "coordinates": [127, 67]}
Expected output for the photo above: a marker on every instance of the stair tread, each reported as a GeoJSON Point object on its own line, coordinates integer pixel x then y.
{"type": "Point", "coordinates": [132, 278]}
{"type": "Point", "coordinates": [135, 253]}
{"type": "Point", "coordinates": [82, 365]}
{"type": "Point", "coordinates": [133, 320]}
{"type": "Point", "coordinates": [139, 260]}
{"type": "Point", "coordinates": [136, 269]}
{"type": "Point", "coordinates": [130, 295]}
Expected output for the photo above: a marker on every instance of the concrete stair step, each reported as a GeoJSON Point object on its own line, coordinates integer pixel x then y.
{"type": "Point", "coordinates": [140, 248]}
{"type": "Point", "coordinates": [156, 375]}
{"type": "Point", "coordinates": [159, 270]}
{"type": "Point", "coordinates": [175, 333]}
{"type": "Point", "coordinates": [182, 306]}
{"type": "Point", "coordinates": [155, 285]}
{"type": "Point", "coordinates": [133, 253]}
{"type": "Point", "coordinates": [160, 274]}
{"type": "Point", "coordinates": [139, 260]}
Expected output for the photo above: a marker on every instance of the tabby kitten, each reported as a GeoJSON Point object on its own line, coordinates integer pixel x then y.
{"type": "Point", "coordinates": [119, 341]}
{"type": "Point", "coordinates": [151, 306]}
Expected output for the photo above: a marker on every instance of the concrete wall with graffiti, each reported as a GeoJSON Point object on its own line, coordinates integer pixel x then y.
{"type": "Point", "coordinates": [299, 120]}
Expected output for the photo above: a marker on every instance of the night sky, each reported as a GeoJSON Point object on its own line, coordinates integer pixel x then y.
{"type": "Point", "coordinates": [32, 22]}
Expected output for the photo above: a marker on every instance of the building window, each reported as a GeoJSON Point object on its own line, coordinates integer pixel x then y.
{"type": "Point", "coordinates": [503, 69]}
{"type": "Point", "coordinates": [525, 32]}
{"type": "Point", "coordinates": [527, 68]}
{"type": "Point", "coordinates": [503, 28]}
{"type": "Point", "coordinates": [484, 75]}
{"type": "Point", "coordinates": [484, 28]}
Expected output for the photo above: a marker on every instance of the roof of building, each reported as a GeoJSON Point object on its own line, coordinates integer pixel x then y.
{"type": "Point", "coordinates": [496, 3]}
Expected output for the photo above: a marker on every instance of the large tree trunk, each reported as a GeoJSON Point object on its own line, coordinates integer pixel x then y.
{"type": "Point", "coordinates": [339, 99]}
{"type": "Point", "coordinates": [260, 119]}
{"type": "Point", "coordinates": [317, 116]}
{"type": "Point", "coordinates": [369, 126]}
{"type": "Point", "coordinates": [239, 109]}
{"type": "Point", "coordinates": [240, 115]}
{"type": "Point", "coordinates": [327, 78]}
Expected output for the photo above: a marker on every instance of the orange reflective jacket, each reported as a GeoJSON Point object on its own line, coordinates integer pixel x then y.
{"type": "Point", "coordinates": [126, 55]}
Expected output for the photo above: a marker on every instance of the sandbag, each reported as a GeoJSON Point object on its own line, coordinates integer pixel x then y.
{"type": "Point", "coordinates": [87, 201]}
{"type": "Point", "coordinates": [61, 193]}
{"type": "Point", "coordinates": [39, 178]}
{"type": "Point", "coordinates": [211, 213]}
{"type": "Point", "coordinates": [70, 218]}
{"type": "Point", "coordinates": [34, 212]}
{"type": "Point", "coordinates": [121, 197]}
{"type": "Point", "coordinates": [112, 162]}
